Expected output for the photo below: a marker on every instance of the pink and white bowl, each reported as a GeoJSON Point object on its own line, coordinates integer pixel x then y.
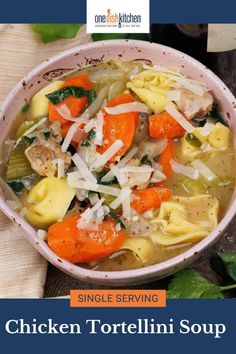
{"type": "Point", "coordinates": [94, 53]}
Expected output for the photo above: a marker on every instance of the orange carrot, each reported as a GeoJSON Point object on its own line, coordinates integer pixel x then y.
{"type": "Point", "coordinates": [118, 126]}
{"type": "Point", "coordinates": [75, 104]}
{"type": "Point", "coordinates": [82, 246]}
{"type": "Point", "coordinates": [164, 125]}
{"type": "Point", "coordinates": [150, 198]}
{"type": "Point", "coordinates": [165, 158]}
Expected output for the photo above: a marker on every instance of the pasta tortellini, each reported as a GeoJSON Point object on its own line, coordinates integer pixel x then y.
{"type": "Point", "coordinates": [218, 139]}
{"type": "Point", "coordinates": [141, 247]}
{"type": "Point", "coordinates": [49, 201]}
{"type": "Point", "coordinates": [151, 89]}
{"type": "Point", "coordinates": [185, 220]}
{"type": "Point", "coordinates": [39, 103]}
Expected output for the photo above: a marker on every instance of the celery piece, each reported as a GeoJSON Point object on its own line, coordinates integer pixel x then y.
{"type": "Point", "coordinates": [23, 128]}
{"type": "Point", "coordinates": [18, 165]}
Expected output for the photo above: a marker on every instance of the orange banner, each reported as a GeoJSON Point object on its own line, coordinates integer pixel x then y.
{"type": "Point", "coordinates": [118, 298]}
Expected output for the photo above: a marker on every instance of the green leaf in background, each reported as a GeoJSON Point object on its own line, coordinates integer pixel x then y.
{"type": "Point", "coordinates": [105, 36]}
{"type": "Point", "coordinates": [52, 32]}
{"type": "Point", "coordinates": [229, 261]}
{"type": "Point", "coordinates": [189, 284]}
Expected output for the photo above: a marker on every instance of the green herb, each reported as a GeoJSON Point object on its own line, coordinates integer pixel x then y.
{"type": "Point", "coordinates": [91, 134]}
{"type": "Point", "coordinates": [71, 149]}
{"type": "Point", "coordinates": [27, 140]}
{"type": "Point", "coordinates": [85, 143]}
{"type": "Point", "coordinates": [105, 36]}
{"type": "Point", "coordinates": [52, 32]}
{"type": "Point", "coordinates": [199, 121]}
{"type": "Point", "coordinates": [229, 262]}
{"type": "Point", "coordinates": [107, 183]}
{"type": "Point", "coordinates": [25, 108]}
{"type": "Point", "coordinates": [189, 284]}
{"type": "Point", "coordinates": [215, 114]}
{"type": "Point", "coordinates": [193, 140]}
{"type": "Point", "coordinates": [61, 94]}
{"type": "Point", "coordinates": [46, 135]}
{"type": "Point", "coordinates": [16, 186]}
{"type": "Point", "coordinates": [116, 219]}
{"type": "Point", "coordinates": [145, 160]}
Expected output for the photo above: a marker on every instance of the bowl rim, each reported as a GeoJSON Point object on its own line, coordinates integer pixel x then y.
{"type": "Point", "coordinates": [133, 274]}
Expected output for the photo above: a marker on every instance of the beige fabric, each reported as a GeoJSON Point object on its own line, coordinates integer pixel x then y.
{"type": "Point", "coordinates": [22, 269]}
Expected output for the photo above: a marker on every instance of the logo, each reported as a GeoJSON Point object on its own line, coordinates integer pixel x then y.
{"type": "Point", "coordinates": [112, 16]}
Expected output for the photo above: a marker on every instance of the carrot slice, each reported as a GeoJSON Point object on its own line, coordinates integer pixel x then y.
{"type": "Point", "coordinates": [164, 125]}
{"type": "Point", "coordinates": [80, 81]}
{"type": "Point", "coordinates": [150, 198]}
{"type": "Point", "coordinates": [118, 126]}
{"type": "Point", "coordinates": [81, 246]}
{"type": "Point", "coordinates": [75, 104]}
{"type": "Point", "coordinates": [165, 158]}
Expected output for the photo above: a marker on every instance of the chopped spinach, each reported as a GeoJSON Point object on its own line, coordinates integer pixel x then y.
{"type": "Point", "coordinates": [16, 186]}
{"type": "Point", "coordinates": [145, 160]}
{"type": "Point", "coordinates": [85, 143]}
{"type": "Point", "coordinates": [61, 94]}
{"type": "Point", "coordinates": [27, 140]}
{"type": "Point", "coordinates": [215, 115]}
{"type": "Point", "coordinates": [46, 135]}
{"type": "Point", "coordinates": [107, 183]}
{"type": "Point", "coordinates": [91, 134]}
{"type": "Point", "coordinates": [116, 219]}
{"type": "Point", "coordinates": [71, 149]}
{"type": "Point", "coordinates": [25, 108]}
{"type": "Point", "coordinates": [193, 140]}
{"type": "Point", "coordinates": [199, 121]}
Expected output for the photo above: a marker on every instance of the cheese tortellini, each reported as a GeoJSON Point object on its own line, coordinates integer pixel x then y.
{"type": "Point", "coordinates": [151, 89]}
{"type": "Point", "coordinates": [39, 103]}
{"type": "Point", "coordinates": [218, 139]}
{"type": "Point", "coordinates": [185, 220]}
{"type": "Point", "coordinates": [49, 201]}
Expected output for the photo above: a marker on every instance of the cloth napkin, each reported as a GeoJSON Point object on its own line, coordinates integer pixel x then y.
{"type": "Point", "coordinates": [22, 269]}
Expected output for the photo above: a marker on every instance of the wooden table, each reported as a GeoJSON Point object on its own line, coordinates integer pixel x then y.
{"type": "Point", "coordinates": [21, 50]}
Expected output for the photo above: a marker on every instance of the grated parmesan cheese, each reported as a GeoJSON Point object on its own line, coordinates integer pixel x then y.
{"type": "Point", "coordinates": [127, 108]}
{"type": "Point", "coordinates": [187, 171]}
{"type": "Point", "coordinates": [179, 118]}
{"type": "Point", "coordinates": [124, 194]}
{"type": "Point", "coordinates": [83, 169]}
{"type": "Point", "coordinates": [107, 155]}
{"type": "Point", "coordinates": [204, 170]}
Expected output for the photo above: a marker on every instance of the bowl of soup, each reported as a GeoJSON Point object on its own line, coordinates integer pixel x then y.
{"type": "Point", "coordinates": [118, 160]}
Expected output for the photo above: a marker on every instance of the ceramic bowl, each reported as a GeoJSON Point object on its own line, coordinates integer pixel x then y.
{"type": "Point", "coordinates": [94, 53]}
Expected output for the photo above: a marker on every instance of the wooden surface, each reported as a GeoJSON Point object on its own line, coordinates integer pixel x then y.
{"type": "Point", "coordinates": [21, 50]}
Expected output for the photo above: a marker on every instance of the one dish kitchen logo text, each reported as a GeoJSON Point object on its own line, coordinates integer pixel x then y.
{"type": "Point", "coordinates": [109, 16]}
{"type": "Point", "coordinates": [117, 19]}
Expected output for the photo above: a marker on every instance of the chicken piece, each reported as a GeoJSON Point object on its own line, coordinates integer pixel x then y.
{"type": "Point", "coordinates": [43, 153]}
{"type": "Point", "coordinates": [193, 105]}
{"type": "Point", "coordinates": [139, 180]}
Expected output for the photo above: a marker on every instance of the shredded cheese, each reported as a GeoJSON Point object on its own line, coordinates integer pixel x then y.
{"type": "Point", "coordinates": [42, 234]}
{"type": "Point", "coordinates": [205, 171]}
{"type": "Point", "coordinates": [99, 129]}
{"type": "Point", "coordinates": [125, 192]}
{"type": "Point", "coordinates": [80, 184]}
{"type": "Point", "coordinates": [65, 112]}
{"type": "Point", "coordinates": [179, 118]}
{"type": "Point", "coordinates": [83, 169]}
{"type": "Point", "coordinates": [187, 171]}
{"type": "Point", "coordinates": [137, 169]}
{"type": "Point", "coordinates": [122, 163]}
{"type": "Point", "coordinates": [120, 175]}
{"type": "Point", "coordinates": [128, 107]}
{"type": "Point", "coordinates": [107, 155]}
{"type": "Point", "coordinates": [71, 132]}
